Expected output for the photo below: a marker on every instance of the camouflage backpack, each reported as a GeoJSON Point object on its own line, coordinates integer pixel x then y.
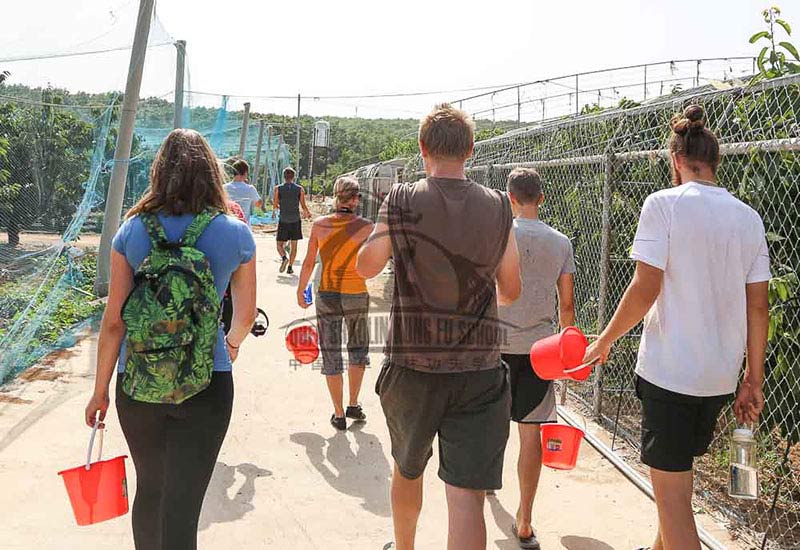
{"type": "Point", "coordinates": [172, 317]}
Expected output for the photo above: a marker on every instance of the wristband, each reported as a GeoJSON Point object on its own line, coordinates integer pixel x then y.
{"type": "Point", "coordinates": [231, 345]}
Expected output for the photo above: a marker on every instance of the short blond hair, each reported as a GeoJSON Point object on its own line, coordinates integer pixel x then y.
{"type": "Point", "coordinates": [447, 132]}
{"type": "Point", "coordinates": [345, 189]}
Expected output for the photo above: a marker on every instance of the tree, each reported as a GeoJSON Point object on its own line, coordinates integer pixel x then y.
{"type": "Point", "coordinates": [44, 162]}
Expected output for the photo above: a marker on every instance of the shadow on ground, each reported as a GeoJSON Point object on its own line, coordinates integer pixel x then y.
{"type": "Point", "coordinates": [503, 519]}
{"type": "Point", "coordinates": [218, 506]}
{"type": "Point", "coordinates": [363, 474]}
{"type": "Point", "coordinates": [584, 543]}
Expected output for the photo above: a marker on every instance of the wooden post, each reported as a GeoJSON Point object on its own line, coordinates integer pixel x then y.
{"type": "Point", "coordinates": [243, 135]}
{"type": "Point", "coordinates": [180, 71]}
{"type": "Point", "coordinates": [257, 163]}
{"type": "Point", "coordinates": [267, 157]}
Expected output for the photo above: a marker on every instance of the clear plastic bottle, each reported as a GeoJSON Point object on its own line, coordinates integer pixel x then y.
{"type": "Point", "coordinates": [743, 481]}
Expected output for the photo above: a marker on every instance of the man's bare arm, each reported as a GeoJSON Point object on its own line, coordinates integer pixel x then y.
{"type": "Point", "coordinates": [566, 300]}
{"type": "Point", "coordinates": [750, 398]}
{"type": "Point", "coordinates": [509, 281]}
{"type": "Point", "coordinates": [636, 302]}
{"type": "Point", "coordinates": [306, 211]}
{"type": "Point", "coordinates": [374, 255]}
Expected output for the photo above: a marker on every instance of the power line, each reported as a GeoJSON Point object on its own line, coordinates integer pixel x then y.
{"type": "Point", "coordinates": [366, 96]}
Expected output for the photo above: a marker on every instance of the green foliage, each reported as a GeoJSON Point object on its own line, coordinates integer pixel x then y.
{"type": "Point", "coordinates": [4, 76]}
{"type": "Point", "coordinates": [772, 60]}
{"type": "Point", "coordinates": [45, 154]}
{"type": "Point", "coordinates": [400, 148]}
{"type": "Point", "coordinates": [15, 295]}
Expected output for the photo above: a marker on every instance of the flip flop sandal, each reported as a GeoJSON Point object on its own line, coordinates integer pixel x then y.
{"type": "Point", "coordinates": [526, 543]}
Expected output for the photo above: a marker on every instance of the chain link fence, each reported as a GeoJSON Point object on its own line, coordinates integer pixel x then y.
{"type": "Point", "coordinates": [597, 170]}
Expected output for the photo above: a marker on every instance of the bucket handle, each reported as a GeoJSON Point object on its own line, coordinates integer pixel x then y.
{"type": "Point", "coordinates": [580, 367]}
{"type": "Point", "coordinates": [97, 426]}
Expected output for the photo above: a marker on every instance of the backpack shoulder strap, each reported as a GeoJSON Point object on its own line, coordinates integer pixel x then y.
{"type": "Point", "coordinates": [154, 228]}
{"type": "Point", "coordinates": [198, 225]}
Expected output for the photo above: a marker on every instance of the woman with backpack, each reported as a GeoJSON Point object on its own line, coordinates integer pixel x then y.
{"type": "Point", "coordinates": [171, 262]}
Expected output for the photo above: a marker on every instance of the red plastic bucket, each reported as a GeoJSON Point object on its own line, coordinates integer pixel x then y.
{"type": "Point", "coordinates": [303, 342]}
{"type": "Point", "coordinates": [560, 446]}
{"type": "Point", "coordinates": [98, 491]}
{"type": "Point", "coordinates": [551, 356]}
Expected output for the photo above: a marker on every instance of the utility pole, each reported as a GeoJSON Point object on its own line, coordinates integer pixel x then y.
{"type": "Point", "coordinates": [297, 139]}
{"type": "Point", "coordinates": [243, 135]}
{"type": "Point", "coordinates": [257, 163]}
{"type": "Point", "coordinates": [122, 153]}
{"type": "Point", "coordinates": [180, 70]}
{"type": "Point", "coordinates": [311, 166]}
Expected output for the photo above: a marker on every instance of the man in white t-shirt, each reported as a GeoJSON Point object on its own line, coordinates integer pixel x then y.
{"type": "Point", "coordinates": [240, 191]}
{"type": "Point", "coordinates": [702, 272]}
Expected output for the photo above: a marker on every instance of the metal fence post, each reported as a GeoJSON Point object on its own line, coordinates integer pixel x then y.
{"type": "Point", "coordinates": [605, 264]}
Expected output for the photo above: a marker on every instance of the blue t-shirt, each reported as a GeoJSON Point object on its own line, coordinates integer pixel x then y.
{"type": "Point", "coordinates": [227, 242]}
{"type": "Point", "coordinates": [243, 194]}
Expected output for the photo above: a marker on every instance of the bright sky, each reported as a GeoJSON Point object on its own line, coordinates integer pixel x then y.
{"type": "Point", "coordinates": [323, 48]}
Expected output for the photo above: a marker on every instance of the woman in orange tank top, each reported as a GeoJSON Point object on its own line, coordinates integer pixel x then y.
{"type": "Point", "coordinates": [341, 298]}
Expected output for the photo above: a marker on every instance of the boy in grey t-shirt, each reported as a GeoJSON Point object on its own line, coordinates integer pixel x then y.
{"type": "Point", "coordinates": [547, 267]}
{"type": "Point", "coordinates": [240, 191]}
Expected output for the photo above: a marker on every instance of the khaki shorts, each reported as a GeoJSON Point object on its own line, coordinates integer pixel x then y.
{"type": "Point", "coordinates": [469, 411]}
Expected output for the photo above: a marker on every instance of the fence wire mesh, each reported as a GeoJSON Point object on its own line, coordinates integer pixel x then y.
{"type": "Point", "coordinates": [597, 170]}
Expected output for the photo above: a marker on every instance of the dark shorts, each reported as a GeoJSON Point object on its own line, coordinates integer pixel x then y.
{"type": "Point", "coordinates": [676, 427]}
{"type": "Point", "coordinates": [333, 311]}
{"type": "Point", "coordinates": [469, 411]}
{"type": "Point", "coordinates": [533, 400]}
{"type": "Point", "coordinates": [289, 231]}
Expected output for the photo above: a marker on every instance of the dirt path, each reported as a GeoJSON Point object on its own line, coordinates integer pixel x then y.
{"type": "Point", "coordinates": [284, 479]}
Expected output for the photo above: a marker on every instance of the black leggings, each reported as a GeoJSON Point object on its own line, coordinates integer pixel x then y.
{"type": "Point", "coordinates": [174, 449]}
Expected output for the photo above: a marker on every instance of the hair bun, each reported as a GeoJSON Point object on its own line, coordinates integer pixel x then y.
{"type": "Point", "coordinates": [692, 120]}
{"type": "Point", "coordinates": [694, 113]}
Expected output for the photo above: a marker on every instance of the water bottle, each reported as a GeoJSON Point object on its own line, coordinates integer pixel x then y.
{"type": "Point", "coordinates": [743, 482]}
{"type": "Point", "coordinates": [308, 295]}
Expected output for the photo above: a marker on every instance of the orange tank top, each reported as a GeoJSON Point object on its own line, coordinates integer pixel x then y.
{"type": "Point", "coordinates": [338, 250]}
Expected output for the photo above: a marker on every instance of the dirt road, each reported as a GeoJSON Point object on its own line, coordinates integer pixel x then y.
{"type": "Point", "coordinates": [284, 479]}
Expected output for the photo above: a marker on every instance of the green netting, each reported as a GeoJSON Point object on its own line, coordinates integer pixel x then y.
{"type": "Point", "coordinates": [46, 277]}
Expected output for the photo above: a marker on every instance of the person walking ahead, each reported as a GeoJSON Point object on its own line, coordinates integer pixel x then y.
{"type": "Point", "coordinates": [455, 257]}
{"type": "Point", "coordinates": [547, 266]}
{"type": "Point", "coordinates": [240, 191]}
{"type": "Point", "coordinates": [174, 389]}
{"type": "Point", "coordinates": [288, 199]}
{"type": "Point", "coordinates": [342, 296]}
{"type": "Point", "coordinates": [702, 272]}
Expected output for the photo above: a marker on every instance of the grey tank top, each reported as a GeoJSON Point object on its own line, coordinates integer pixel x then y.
{"type": "Point", "coordinates": [448, 237]}
{"type": "Point", "coordinates": [289, 197]}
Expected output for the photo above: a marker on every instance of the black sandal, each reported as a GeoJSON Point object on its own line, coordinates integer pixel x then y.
{"type": "Point", "coordinates": [526, 543]}
{"type": "Point", "coordinates": [338, 422]}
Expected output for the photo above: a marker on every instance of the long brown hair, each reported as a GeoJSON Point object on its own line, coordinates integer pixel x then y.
{"type": "Point", "coordinates": [692, 140]}
{"type": "Point", "coordinates": [186, 178]}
